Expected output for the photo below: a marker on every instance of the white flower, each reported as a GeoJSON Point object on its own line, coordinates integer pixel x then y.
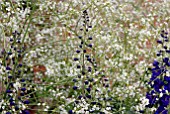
{"type": "Point", "coordinates": [108, 108]}
{"type": "Point", "coordinates": [45, 110]}
{"type": "Point", "coordinates": [17, 85]}
{"type": "Point", "coordinates": [161, 94]}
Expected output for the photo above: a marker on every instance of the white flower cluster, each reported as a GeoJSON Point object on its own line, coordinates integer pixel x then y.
{"type": "Point", "coordinates": [144, 101]}
{"type": "Point", "coordinates": [82, 107]}
{"type": "Point", "coordinates": [123, 32]}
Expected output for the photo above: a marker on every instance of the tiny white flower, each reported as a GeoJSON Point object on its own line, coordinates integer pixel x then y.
{"type": "Point", "coordinates": [45, 110]}
{"type": "Point", "coordinates": [17, 85]}
{"type": "Point", "coordinates": [161, 94]}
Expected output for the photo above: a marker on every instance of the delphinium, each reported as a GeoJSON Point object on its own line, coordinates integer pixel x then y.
{"type": "Point", "coordinates": [159, 83]}
{"type": "Point", "coordinates": [91, 86]}
{"type": "Point", "coordinates": [15, 90]}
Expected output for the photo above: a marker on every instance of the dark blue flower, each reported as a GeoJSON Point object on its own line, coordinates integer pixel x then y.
{"type": "Point", "coordinates": [165, 47]}
{"type": "Point", "coordinates": [88, 89]}
{"type": "Point", "coordinates": [158, 84]}
{"type": "Point", "coordinates": [76, 59]}
{"type": "Point", "coordinates": [165, 112]}
{"type": "Point", "coordinates": [12, 103]}
{"type": "Point", "coordinates": [89, 59]}
{"type": "Point", "coordinates": [88, 96]}
{"type": "Point", "coordinates": [86, 82]}
{"type": "Point", "coordinates": [25, 112]}
{"type": "Point", "coordinates": [83, 73]}
{"type": "Point", "coordinates": [78, 51]}
{"type": "Point", "coordinates": [79, 37]}
{"type": "Point", "coordinates": [155, 63]}
{"type": "Point", "coordinates": [166, 40]}
{"type": "Point", "coordinates": [160, 109]}
{"type": "Point", "coordinates": [157, 71]}
{"type": "Point", "coordinates": [168, 51]}
{"type": "Point", "coordinates": [22, 94]}
{"type": "Point", "coordinates": [74, 80]}
{"type": "Point", "coordinates": [19, 98]}
{"type": "Point", "coordinates": [164, 100]}
{"type": "Point", "coordinates": [87, 56]}
{"type": "Point", "coordinates": [93, 103]}
{"type": "Point", "coordinates": [166, 33]}
{"type": "Point", "coordinates": [70, 112]}
{"type": "Point", "coordinates": [10, 77]}
{"type": "Point", "coordinates": [162, 35]}
{"type": "Point", "coordinates": [167, 78]}
{"type": "Point", "coordinates": [80, 46]}
{"type": "Point", "coordinates": [9, 53]}
{"type": "Point", "coordinates": [158, 54]}
{"type": "Point", "coordinates": [11, 40]}
{"type": "Point", "coordinates": [141, 111]}
{"type": "Point", "coordinates": [20, 65]}
{"type": "Point", "coordinates": [167, 86]}
{"type": "Point", "coordinates": [75, 87]}
{"type": "Point", "coordinates": [159, 42]}
{"type": "Point", "coordinates": [23, 89]}
{"type": "Point", "coordinates": [107, 85]}
{"type": "Point", "coordinates": [8, 91]}
{"type": "Point", "coordinates": [165, 60]}
{"type": "Point", "coordinates": [16, 108]}
{"type": "Point", "coordinates": [26, 102]}
{"type": "Point", "coordinates": [8, 68]}
{"type": "Point", "coordinates": [90, 45]}
{"type": "Point", "coordinates": [90, 38]}
{"type": "Point", "coordinates": [79, 97]}
{"type": "Point", "coordinates": [78, 66]}
{"type": "Point", "coordinates": [22, 80]}
{"type": "Point", "coordinates": [11, 99]}
{"type": "Point", "coordinates": [152, 99]}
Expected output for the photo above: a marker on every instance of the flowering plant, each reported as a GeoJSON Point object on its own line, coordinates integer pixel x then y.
{"type": "Point", "coordinates": [159, 82]}
{"type": "Point", "coordinates": [15, 91]}
{"type": "Point", "coordinates": [82, 56]}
